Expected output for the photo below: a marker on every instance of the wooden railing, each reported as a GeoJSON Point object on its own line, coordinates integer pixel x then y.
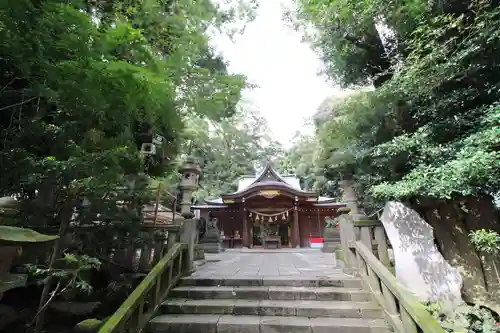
{"type": "Point", "coordinates": [107, 243]}
{"type": "Point", "coordinates": [402, 310]}
{"type": "Point", "coordinates": [131, 256]}
{"type": "Point", "coordinates": [138, 309]}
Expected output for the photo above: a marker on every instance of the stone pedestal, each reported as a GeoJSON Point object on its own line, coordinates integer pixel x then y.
{"type": "Point", "coordinates": [347, 234]}
{"type": "Point", "coordinates": [188, 236]}
{"type": "Point", "coordinates": [211, 240]}
{"type": "Point", "coordinates": [331, 240]}
{"type": "Point", "coordinates": [212, 247]}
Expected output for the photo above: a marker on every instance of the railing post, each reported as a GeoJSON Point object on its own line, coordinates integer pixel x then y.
{"type": "Point", "coordinates": [347, 233]}
{"type": "Point", "coordinates": [173, 233]}
{"type": "Point", "coordinates": [347, 239]}
{"type": "Point", "coordinates": [365, 233]}
{"type": "Point", "coordinates": [382, 248]}
{"type": "Point", "coordinates": [188, 236]}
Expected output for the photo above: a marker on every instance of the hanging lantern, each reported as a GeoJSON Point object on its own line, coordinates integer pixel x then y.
{"type": "Point", "coordinates": [148, 149]}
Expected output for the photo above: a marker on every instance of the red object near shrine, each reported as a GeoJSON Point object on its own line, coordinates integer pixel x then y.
{"type": "Point", "coordinates": [316, 240]}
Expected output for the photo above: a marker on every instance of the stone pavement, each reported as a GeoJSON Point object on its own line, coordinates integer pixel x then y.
{"type": "Point", "coordinates": [309, 263]}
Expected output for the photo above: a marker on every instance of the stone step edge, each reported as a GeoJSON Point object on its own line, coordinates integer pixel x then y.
{"type": "Point", "coordinates": [260, 324]}
{"type": "Point", "coordinates": [343, 305]}
{"type": "Point", "coordinates": [271, 293]}
{"type": "Point", "coordinates": [291, 289]}
{"type": "Point", "coordinates": [311, 309]}
{"type": "Point", "coordinates": [344, 281]}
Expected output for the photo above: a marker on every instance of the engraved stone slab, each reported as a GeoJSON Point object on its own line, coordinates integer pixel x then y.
{"type": "Point", "coordinates": [420, 267]}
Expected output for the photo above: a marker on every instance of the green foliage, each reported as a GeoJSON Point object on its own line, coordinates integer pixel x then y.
{"type": "Point", "coordinates": [432, 129]}
{"type": "Point", "coordinates": [71, 272]}
{"type": "Point", "coordinates": [22, 235]}
{"type": "Point", "coordinates": [428, 134]}
{"type": "Point", "coordinates": [83, 85]}
{"type": "Point", "coordinates": [466, 318]}
{"type": "Point", "coordinates": [81, 94]}
{"type": "Point", "coordinates": [226, 150]}
{"type": "Point", "coordinates": [487, 241]}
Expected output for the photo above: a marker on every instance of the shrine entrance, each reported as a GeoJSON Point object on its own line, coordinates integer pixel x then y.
{"type": "Point", "coordinates": [271, 211]}
{"type": "Point", "coordinates": [271, 234]}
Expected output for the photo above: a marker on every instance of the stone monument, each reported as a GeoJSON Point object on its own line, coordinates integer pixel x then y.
{"type": "Point", "coordinates": [211, 240]}
{"type": "Point", "coordinates": [420, 267]}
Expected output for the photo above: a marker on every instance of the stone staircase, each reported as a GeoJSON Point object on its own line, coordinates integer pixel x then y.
{"type": "Point", "coordinates": [269, 305]}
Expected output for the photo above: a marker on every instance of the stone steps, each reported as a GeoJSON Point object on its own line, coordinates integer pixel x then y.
{"type": "Point", "coordinates": [310, 309]}
{"type": "Point", "coordinates": [279, 293]}
{"type": "Point", "coordinates": [263, 324]}
{"type": "Point", "coordinates": [279, 281]}
{"type": "Point", "coordinates": [291, 304]}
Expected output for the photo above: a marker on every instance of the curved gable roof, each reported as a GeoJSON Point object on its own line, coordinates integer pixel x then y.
{"type": "Point", "coordinates": [265, 175]}
{"type": "Point", "coordinates": [270, 185]}
{"type": "Point", "coordinates": [269, 178]}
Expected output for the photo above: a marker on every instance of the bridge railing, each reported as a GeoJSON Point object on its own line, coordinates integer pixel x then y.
{"type": "Point", "coordinates": [402, 310]}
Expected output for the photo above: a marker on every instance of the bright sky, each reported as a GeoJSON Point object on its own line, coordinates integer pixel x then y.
{"type": "Point", "coordinates": [272, 55]}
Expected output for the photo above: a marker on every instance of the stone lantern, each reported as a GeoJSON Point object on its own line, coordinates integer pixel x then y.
{"type": "Point", "coordinates": [189, 183]}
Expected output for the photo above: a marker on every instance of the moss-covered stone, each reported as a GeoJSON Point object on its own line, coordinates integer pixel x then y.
{"type": "Point", "coordinates": [90, 325]}
{"type": "Point", "coordinates": [339, 254]}
{"type": "Point", "coordinates": [343, 210]}
{"type": "Point", "coordinates": [367, 223]}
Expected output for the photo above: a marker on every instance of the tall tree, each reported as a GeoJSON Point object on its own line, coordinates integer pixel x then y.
{"type": "Point", "coordinates": [84, 85]}
{"type": "Point", "coordinates": [429, 134]}
{"type": "Point", "coordinates": [227, 149]}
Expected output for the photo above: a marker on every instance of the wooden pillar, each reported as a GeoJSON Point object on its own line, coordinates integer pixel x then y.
{"type": "Point", "coordinates": [245, 231]}
{"type": "Point", "coordinates": [296, 232]}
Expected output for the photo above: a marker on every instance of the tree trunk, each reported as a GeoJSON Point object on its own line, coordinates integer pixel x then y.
{"type": "Point", "coordinates": [482, 214]}
{"type": "Point", "coordinates": [452, 222]}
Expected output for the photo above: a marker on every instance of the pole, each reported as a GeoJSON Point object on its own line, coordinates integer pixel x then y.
{"type": "Point", "coordinates": [157, 203]}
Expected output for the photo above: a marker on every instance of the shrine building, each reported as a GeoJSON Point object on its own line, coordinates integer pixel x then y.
{"type": "Point", "coordinates": [269, 210]}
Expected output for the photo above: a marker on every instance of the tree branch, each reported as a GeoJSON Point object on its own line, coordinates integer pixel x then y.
{"type": "Point", "coordinates": [17, 104]}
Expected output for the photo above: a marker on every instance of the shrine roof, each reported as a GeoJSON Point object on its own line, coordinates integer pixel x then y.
{"type": "Point", "coordinates": [268, 178]}
{"type": "Point", "coordinates": [246, 181]}
{"type": "Point", "coordinates": [219, 202]}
